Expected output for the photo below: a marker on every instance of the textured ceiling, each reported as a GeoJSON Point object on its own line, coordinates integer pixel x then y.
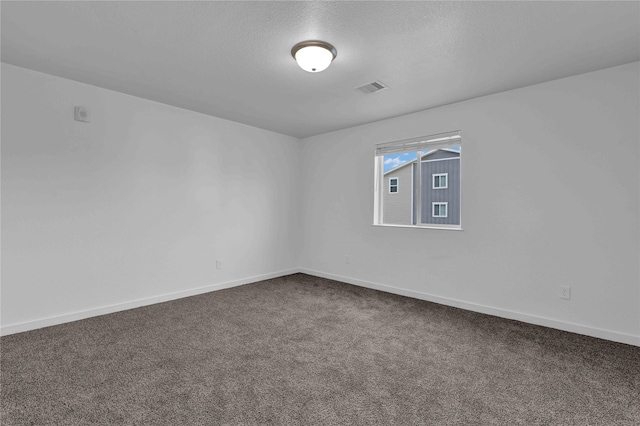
{"type": "Point", "coordinates": [232, 59]}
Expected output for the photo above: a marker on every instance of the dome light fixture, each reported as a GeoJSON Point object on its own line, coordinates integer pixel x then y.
{"type": "Point", "coordinates": [314, 55]}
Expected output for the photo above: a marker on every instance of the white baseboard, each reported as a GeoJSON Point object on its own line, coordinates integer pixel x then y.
{"type": "Point", "coordinates": [88, 313]}
{"type": "Point", "coordinates": [629, 339]}
{"type": "Point", "coordinates": [503, 313]}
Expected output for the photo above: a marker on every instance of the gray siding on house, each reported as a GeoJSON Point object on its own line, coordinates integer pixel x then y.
{"type": "Point", "coordinates": [396, 208]}
{"type": "Point", "coordinates": [451, 195]}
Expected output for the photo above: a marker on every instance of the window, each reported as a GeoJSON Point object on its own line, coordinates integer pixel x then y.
{"type": "Point", "coordinates": [440, 180]}
{"type": "Point", "coordinates": [393, 185]}
{"type": "Point", "coordinates": [429, 168]}
{"type": "Point", "coordinates": [439, 209]}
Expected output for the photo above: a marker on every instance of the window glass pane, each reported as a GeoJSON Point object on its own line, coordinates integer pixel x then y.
{"type": "Point", "coordinates": [430, 178]}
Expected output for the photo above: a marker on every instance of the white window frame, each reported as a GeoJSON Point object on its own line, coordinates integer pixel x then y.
{"type": "Point", "coordinates": [439, 175]}
{"type": "Point", "coordinates": [397, 185]}
{"type": "Point", "coordinates": [420, 145]}
{"type": "Point", "coordinates": [439, 204]}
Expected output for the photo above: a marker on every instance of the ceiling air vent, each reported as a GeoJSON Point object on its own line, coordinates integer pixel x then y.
{"type": "Point", "coordinates": [373, 87]}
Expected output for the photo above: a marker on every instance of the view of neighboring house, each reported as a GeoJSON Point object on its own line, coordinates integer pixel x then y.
{"type": "Point", "coordinates": [439, 196]}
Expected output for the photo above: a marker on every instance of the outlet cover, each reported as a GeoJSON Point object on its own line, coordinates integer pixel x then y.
{"type": "Point", "coordinates": [565, 292]}
{"type": "Point", "coordinates": [218, 264]}
{"type": "Point", "coordinates": [82, 114]}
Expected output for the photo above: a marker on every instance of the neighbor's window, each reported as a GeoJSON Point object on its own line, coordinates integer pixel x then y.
{"type": "Point", "coordinates": [429, 168]}
{"type": "Point", "coordinates": [439, 209]}
{"type": "Point", "coordinates": [393, 185]}
{"type": "Point", "coordinates": [440, 180]}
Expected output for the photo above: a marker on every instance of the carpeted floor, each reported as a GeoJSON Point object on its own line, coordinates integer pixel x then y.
{"type": "Point", "coordinates": [301, 350]}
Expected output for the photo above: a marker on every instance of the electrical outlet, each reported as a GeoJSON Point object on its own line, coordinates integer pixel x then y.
{"type": "Point", "coordinates": [347, 260]}
{"type": "Point", "coordinates": [219, 264]}
{"type": "Point", "coordinates": [565, 292]}
{"type": "Point", "coordinates": [81, 113]}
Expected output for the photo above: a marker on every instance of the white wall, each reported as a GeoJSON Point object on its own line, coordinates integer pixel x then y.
{"type": "Point", "coordinates": [135, 206]}
{"type": "Point", "coordinates": [550, 197]}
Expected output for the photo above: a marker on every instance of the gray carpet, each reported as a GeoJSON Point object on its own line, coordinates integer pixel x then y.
{"type": "Point", "coordinates": [300, 350]}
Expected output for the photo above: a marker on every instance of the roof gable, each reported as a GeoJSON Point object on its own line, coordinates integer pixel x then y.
{"type": "Point", "coordinates": [442, 153]}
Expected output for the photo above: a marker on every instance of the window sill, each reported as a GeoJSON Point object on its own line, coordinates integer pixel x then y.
{"type": "Point", "coordinates": [441, 227]}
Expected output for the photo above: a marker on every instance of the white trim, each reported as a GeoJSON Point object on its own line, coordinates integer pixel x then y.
{"type": "Point", "coordinates": [439, 203]}
{"type": "Point", "coordinates": [433, 180]}
{"type": "Point", "coordinates": [413, 192]}
{"type": "Point", "coordinates": [422, 226]}
{"type": "Point", "coordinates": [600, 333]}
{"type": "Point", "coordinates": [378, 184]}
{"type": "Point", "coordinates": [418, 199]}
{"type": "Point", "coordinates": [460, 188]}
{"type": "Point", "coordinates": [440, 159]}
{"type": "Point", "coordinates": [103, 310]}
{"type": "Point", "coordinates": [397, 185]}
{"type": "Point", "coordinates": [452, 150]}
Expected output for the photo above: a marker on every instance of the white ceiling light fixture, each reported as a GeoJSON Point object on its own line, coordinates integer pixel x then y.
{"type": "Point", "coordinates": [314, 55]}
